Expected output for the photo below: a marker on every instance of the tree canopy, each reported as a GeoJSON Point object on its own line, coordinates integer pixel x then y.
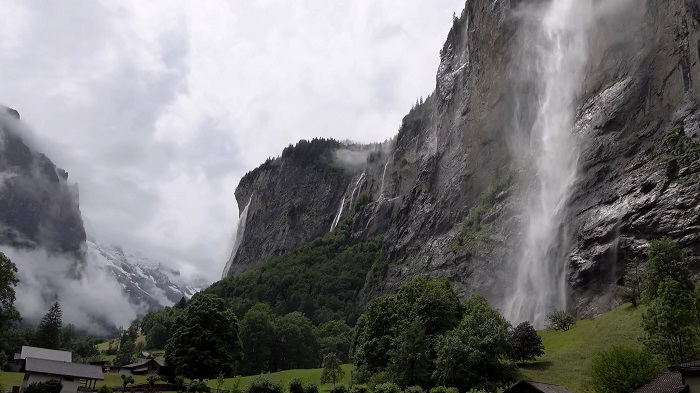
{"type": "Point", "coordinates": [205, 341]}
{"type": "Point", "coordinates": [48, 334]}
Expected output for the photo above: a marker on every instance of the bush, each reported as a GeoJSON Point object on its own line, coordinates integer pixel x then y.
{"type": "Point", "coordinates": [379, 378]}
{"type": "Point", "coordinates": [359, 389]}
{"type": "Point", "coordinates": [362, 200]}
{"type": "Point", "coordinates": [360, 375]}
{"type": "Point", "coordinates": [296, 386]}
{"type": "Point", "coordinates": [198, 387]}
{"type": "Point", "coordinates": [387, 387]}
{"type": "Point", "coordinates": [50, 386]}
{"type": "Point", "coordinates": [560, 320]}
{"type": "Point", "coordinates": [265, 385]}
{"type": "Point", "coordinates": [414, 389]}
{"type": "Point", "coordinates": [442, 389]}
{"type": "Point", "coordinates": [310, 388]}
{"type": "Point", "coordinates": [104, 389]}
{"type": "Point", "coordinates": [622, 370]}
{"type": "Point", "coordinates": [340, 388]}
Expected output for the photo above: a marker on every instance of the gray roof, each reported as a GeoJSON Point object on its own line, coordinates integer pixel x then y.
{"type": "Point", "coordinates": [668, 382]}
{"type": "Point", "coordinates": [68, 369]}
{"type": "Point", "coordinates": [43, 353]}
{"type": "Point", "coordinates": [142, 362]}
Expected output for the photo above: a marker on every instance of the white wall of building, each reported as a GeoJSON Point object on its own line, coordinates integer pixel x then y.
{"type": "Point", "coordinates": [68, 386]}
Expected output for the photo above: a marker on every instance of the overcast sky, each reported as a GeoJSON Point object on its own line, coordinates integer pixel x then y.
{"type": "Point", "coordinates": [157, 108]}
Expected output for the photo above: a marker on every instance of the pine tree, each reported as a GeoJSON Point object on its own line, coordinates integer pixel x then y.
{"type": "Point", "coordinates": [48, 334]}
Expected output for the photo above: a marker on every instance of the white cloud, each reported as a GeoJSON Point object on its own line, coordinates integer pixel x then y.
{"type": "Point", "coordinates": [157, 108]}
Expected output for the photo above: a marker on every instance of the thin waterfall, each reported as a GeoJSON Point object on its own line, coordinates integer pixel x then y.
{"type": "Point", "coordinates": [558, 67]}
{"type": "Point", "coordinates": [240, 231]}
{"type": "Point", "coordinates": [337, 216]}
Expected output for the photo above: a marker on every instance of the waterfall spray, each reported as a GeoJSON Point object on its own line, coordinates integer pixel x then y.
{"type": "Point", "coordinates": [240, 231]}
{"type": "Point", "coordinates": [560, 60]}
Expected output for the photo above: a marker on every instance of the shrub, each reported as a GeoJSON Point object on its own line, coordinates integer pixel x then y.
{"type": "Point", "coordinates": [438, 389]}
{"type": "Point", "coordinates": [387, 387]}
{"type": "Point", "coordinates": [296, 386]}
{"type": "Point", "coordinates": [340, 388]}
{"type": "Point", "coordinates": [310, 388]}
{"type": "Point", "coordinates": [414, 389]}
{"type": "Point", "coordinates": [622, 369]}
{"type": "Point", "coordinates": [265, 385]}
{"type": "Point", "coordinates": [379, 378]}
{"type": "Point", "coordinates": [560, 320]}
{"type": "Point", "coordinates": [360, 375]}
{"type": "Point", "coordinates": [526, 343]}
{"type": "Point", "coordinates": [362, 200]}
{"type": "Point", "coordinates": [104, 389]}
{"type": "Point", "coordinates": [152, 379]}
{"type": "Point", "coordinates": [359, 389]}
{"type": "Point", "coordinates": [198, 387]}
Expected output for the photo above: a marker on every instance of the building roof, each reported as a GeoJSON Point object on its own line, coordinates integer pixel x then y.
{"type": "Point", "coordinates": [77, 370]}
{"type": "Point", "coordinates": [43, 353]}
{"type": "Point", "coordinates": [668, 382]}
{"type": "Point", "coordinates": [690, 366]}
{"type": "Point", "coordinates": [539, 386]}
{"type": "Point", "coordinates": [143, 362]}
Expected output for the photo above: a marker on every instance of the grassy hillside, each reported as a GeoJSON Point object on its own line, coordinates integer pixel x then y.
{"type": "Point", "coordinates": [307, 375]}
{"type": "Point", "coordinates": [567, 354]}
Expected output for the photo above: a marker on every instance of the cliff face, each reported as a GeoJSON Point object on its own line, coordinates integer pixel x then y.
{"type": "Point", "coordinates": [38, 207]}
{"type": "Point", "coordinates": [449, 192]}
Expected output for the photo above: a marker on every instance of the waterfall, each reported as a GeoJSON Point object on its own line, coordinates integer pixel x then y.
{"type": "Point", "coordinates": [381, 189]}
{"type": "Point", "coordinates": [240, 231]}
{"type": "Point", "coordinates": [357, 185]}
{"type": "Point", "coordinates": [337, 216]}
{"type": "Point", "coordinates": [558, 66]}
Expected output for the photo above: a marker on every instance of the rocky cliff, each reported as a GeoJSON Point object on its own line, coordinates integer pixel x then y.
{"type": "Point", "coordinates": [38, 206]}
{"type": "Point", "coordinates": [449, 191]}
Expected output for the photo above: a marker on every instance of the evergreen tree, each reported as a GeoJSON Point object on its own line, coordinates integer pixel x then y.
{"type": "Point", "coordinates": [127, 346]}
{"type": "Point", "coordinates": [48, 334]}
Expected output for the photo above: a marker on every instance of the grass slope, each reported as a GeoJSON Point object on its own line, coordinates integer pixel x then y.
{"type": "Point", "coordinates": [567, 354]}
{"type": "Point", "coordinates": [306, 375]}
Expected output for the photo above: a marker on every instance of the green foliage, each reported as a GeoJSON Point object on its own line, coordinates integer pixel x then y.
{"type": "Point", "coordinates": [360, 375]}
{"type": "Point", "coordinates": [474, 229]}
{"type": "Point", "coordinates": [359, 389]}
{"type": "Point", "coordinates": [127, 379]}
{"type": "Point", "coordinates": [157, 325]}
{"type": "Point", "coordinates": [296, 385]}
{"type": "Point", "coordinates": [127, 346]}
{"type": "Point", "coordinates": [322, 279]}
{"type": "Point", "coordinates": [410, 360]}
{"type": "Point", "coordinates": [50, 386]}
{"type": "Point", "coordinates": [258, 338]}
{"type": "Point", "coordinates": [362, 200]}
{"type": "Point", "coordinates": [48, 334]}
{"type": "Point", "coordinates": [678, 146]}
{"type": "Point", "coordinates": [416, 120]}
{"type": "Point", "coordinates": [264, 385]}
{"type": "Point", "coordinates": [670, 323]}
{"type": "Point", "coordinates": [152, 380]}
{"type": "Point", "coordinates": [414, 389]}
{"type": "Point", "coordinates": [104, 389]}
{"type": "Point", "coordinates": [560, 320]}
{"type": "Point", "coordinates": [198, 387]}
{"type": "Point", "coordinates": [387, 387]}
{"type": "Point", "coordinates": [157, 336]}
{"type": "Point", "coordinates": [297, 346]}
{"type": "Point", "coordinates": [622, 370]}
{"type": "Point", "coordinates": [207, 326]}
{"type": "Point", "coordinates": [340, 388]}
{"type": "Point", "coordinates": [8, 282]}
{"type": "Point", "coordinates": [443, 389]}
{"type": "Point", "coordinates": [634, 282]}
{"type": "Point", "coordinates": [335, 337]}
{"type": "Point", "coordinates": [310, 388]}
{"type": "Point", "coordinates": [666, 259]}
{"type": "Point", "coordinates": [67, 337]}
{"type": "Point", "coordinates": [86, 347]}
{"type": "Point", "coordinates": [472, 355]}
{"type": "Point", "coordinates": [332, 372]}
{"type": "Point", "coordinates": [525, 343]}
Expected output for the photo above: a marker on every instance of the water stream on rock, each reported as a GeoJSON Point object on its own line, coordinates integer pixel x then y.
{"type": "Point", "coordinates": [337, 216]}
{"type": "Point", "coordinates": [558, 60]}
{"type": "Point", "coordinates": [240, 231]}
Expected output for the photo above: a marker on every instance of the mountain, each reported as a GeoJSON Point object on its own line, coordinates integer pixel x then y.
{"type": "Point", "coordinates": [560, 138]}
{"type": "Point", "coordinates": [143, 280]}
{"type": "Point", "coordinates": [38, 206]}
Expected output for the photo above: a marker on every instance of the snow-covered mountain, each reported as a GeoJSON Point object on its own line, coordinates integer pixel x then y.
{"type": "Point", "coordinates": [145, 281]}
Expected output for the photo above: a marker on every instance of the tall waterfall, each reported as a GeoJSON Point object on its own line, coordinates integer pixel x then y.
{"type": "Point", "coordinates": [336, 220]}
{"type": "Point", "coordinates": [240, 231]}
{"type": "Point", "coordinates": [557, 64]}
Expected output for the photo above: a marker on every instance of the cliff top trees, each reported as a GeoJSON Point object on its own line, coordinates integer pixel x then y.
{"type": "Point", "coordinates": [205, 342]}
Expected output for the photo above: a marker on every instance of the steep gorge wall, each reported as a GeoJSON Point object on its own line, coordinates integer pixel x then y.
{"type": "Point", "coordinates": [449, 193]}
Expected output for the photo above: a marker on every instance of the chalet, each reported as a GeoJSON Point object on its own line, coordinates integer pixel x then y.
{"type": "Point", "coordinates": [39, 353]}
{"type": "Point", "coordinates": [536, 387]}
{"type": "Point", "coordinates": [146, 366]}
{"type": "Point", "coordinates": [680, 378]}
{"type": "Point", "coordinates": [74, 376]}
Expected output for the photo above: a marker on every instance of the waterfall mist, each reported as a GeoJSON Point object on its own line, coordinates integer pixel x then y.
{"type": "Point", "coordinates": [557, 54]}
